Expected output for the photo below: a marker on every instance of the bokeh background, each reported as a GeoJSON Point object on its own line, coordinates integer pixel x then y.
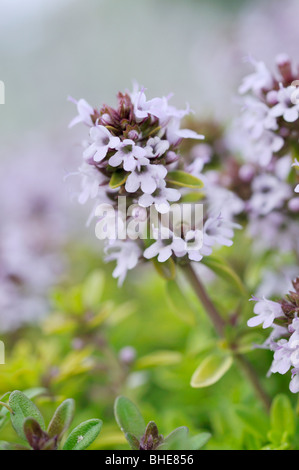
{"type": "Point", "coordinates": [50, 49]}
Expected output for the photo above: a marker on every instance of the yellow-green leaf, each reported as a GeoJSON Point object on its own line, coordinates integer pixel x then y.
{"type": "Point", "coordinates": [167, 269]}
{"type": "Point", "coordinates": [179, 302]}
{"type": "Point", "coordinates": [221, 268]}
{"type": "Point", "coordinates": [182, 179]}
{"type": "Point", "coordinates": [159, 358]}
{"type": "Point", "coordinates": [211, 370]}
{"type": "Point", "coordinates": [118, 178]}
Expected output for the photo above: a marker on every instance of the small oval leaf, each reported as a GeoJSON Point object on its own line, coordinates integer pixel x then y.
{"type": "Point", "coordinates": [176, 440]}
{"type": "Point", "coordinates": [282, 417]}
{"type": "Point", "coordinates": [211, 370]}
{"type": "Point", "coordinates": [182, 179]}
{"type": "Point", "coordinates": [159, 358]}
{"type": "Point", "coordinates": [62, 418]}
{"type": "Point", "coordinates": [128, 417]}
{"type": "Point", "coordinates": [83, 435]}
{"type": "Point", "coordinates": [23, 408]}
{"type": "Point", "coordinates": [167, 269]}
{"type": "Point", "coordinates": [179, 302]}
{"type": "Point", "coordinates": [198, 441]}
{"type": "Point", "coordinates": [118, 178]}
{"type": "Point", "coordinates": [220, 267]}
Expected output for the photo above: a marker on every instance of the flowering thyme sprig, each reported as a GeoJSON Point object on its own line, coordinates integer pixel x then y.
{"type": "Point", "coordinates": [133, 151]}
{"type": "Point", "coordinates": [282, 317]}
{"type": "Point", "coordinates": [260, 166]}
{"type": "Point", "coordinates": [271, 111]}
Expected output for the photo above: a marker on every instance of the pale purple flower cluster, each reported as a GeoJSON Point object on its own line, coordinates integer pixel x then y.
{"type": "Point", "coordinates": [270, 111]}
{"type": "Point", "coordinates": [132, 151]}
{"type": "Point", "coordinates": [282, 317]}
{"type": "Point", "coordinates": [32, 236]}
{"type": "Point", "coordinates": [266, 139]}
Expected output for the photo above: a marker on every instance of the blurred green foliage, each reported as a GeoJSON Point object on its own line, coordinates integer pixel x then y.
{"type": "Point", "coordinates": [78, 352]}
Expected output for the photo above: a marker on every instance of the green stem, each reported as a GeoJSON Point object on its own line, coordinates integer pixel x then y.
{"type": "Point", "coordinates": [219, 324]}
{"type": "Point", "coordinates": [6, 406]}
{"type": "Point", "coordinates": [201, 293]}
{"type": "Point", "coordinates": [252, 376]}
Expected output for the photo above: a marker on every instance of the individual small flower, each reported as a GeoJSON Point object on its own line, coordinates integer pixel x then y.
{"type": "Point", "coordinates": [92, 181]}
{"type": "Point", "coordinates": [294, 339]}
{"type": "Point", "coordinates": [156, 147]}
{"type": "Point", "coordinates": [257, 117]}
{"type": "Point", "coordinates": [85, 111]}
{"type": "Point", "coordinates": [282, 357]}
{"type": "Point", "coordinates": [160, 198]}
{"type": "Point", "coordinates": [147, 178]}
{"type": "Point", "coordinates": [156, 107]}
{"type": "Point", "coordinates": [129, 154]}
{"type": "Point", "coordinates": [174, 134]}
{"type": "Point", "coordinates": [294, 384]}
{"type": "Point", "coordinates": [284, 106]}
{"type": "Point", "coordinates": [141, 106]}
{"type": "Point", "coordinates": [223, 201]}
{"type": "Point", "coordinates": [127, 355]}
{"type": "Point", "coordinates": [259, 80]}
{"type": "Point", "coordinates": [195, 247]}
{"type": "Point", "coordinates": [276, 333]}
{"type": "Point", "coordinates": [269, 193]}
{"type": "Point", "coordinates": [166, 245]}
{"type": "Point", "coordinates": [126, 253]}
{"type": "Point", "coordinates": [218, 231]}
{"type": "Point", "coordinates": [266, 311]}
{"type": "Point", "coordinates": [103, 140]}
{"type": "Point", "coordinates": [293, 204]}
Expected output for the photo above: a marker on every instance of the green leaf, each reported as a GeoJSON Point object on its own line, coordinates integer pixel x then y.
{"type": "Point", "coordinates": [179, 302]}
{"type": "Point", "coordinates": [254, 420]}
{"type": "Point", "coordinates": [35, 392]}
{"type": "Point", "coordinates": [30, 393]}
{"type": "Point", "coordinates": [167, 269]}
{"type": "Point", "coordinates": [198, 441]}
{"type": "Point", "coordinates": [83, 435]}
{"type": "Point", "coordinates": [5, 396]}
{"type": "Point", "coordinates": [133, 441]}
{"type": "Point", "coordinates": [220, 267]}
{"type": "Point", "coordinates": [4, 420]}
{"type": "Point", "coordinates": [159, 358]}
{"type": "Point", "coordinates": [211, 370]}
{"type": "Point", "coordinates": [176, 440]}
{"type": "Point", "coordinates": [23, 408]}
{"type": "Point", "coordinates": [128, 417]}
{"type": "Point", "coordinates": [62, 418]}
{"type": "Point", "coordinates": [93, 289]}
{"type": "Point", "coordinates": [118, 178]}
{"type": "Point", "coordinates": [246, 342]}
{"type": "Point", "coordinates": [4, 413]}
{"type": "Point", "coordinates": [33, 432]}
{"type": "Point", "coordinates": [192, 197]}
{"type": "Point", "coordinates": [182, 179]}
{"type": "Point", "coordinates": [282, 419]}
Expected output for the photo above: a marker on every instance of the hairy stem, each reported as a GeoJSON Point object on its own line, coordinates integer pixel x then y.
{"type": "Point", "coordinates": [201, 293]}
{"type": "Point", "coordinates": [6, 406]}
{"type": "Point", "coordinates": [251, 374]}
{"type": "Point", "coordinates": [219, 324]}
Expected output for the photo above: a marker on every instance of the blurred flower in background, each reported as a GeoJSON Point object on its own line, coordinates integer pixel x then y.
{"type": "Point", "coordinates": [33, 232]}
